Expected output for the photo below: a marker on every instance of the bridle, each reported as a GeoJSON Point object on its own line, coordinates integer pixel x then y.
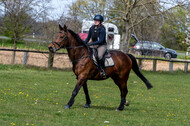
{"type": "Point", "coordinates": [55, 43]}
{"type": "Point", "coordinates": [71, 47]}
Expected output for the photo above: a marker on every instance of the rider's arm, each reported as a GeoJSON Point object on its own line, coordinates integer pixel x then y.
{"type": "Point", "coordinates": [101, 38]}
{"type": "Point", "coordinates": [89, 36]}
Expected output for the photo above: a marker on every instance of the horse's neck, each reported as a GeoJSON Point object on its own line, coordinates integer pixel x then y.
{"type": "Point", "coordinates": [76, 50]}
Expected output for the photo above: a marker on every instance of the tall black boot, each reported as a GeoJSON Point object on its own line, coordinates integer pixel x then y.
{"type": "Point", "coordinates": [102, 67]}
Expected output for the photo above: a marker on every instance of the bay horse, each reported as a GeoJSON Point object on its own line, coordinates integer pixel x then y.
{"type": "Point", "coordinates": [85, 69]}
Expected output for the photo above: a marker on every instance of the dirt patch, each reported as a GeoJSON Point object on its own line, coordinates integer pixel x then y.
{"type": "Point", "coordinates": [36, 59]}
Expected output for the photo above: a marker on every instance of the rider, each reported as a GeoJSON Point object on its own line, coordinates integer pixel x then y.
{"type": "Point", "coordinates": [97, 34]}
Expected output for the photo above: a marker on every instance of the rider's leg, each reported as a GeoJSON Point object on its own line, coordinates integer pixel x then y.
{"type": "Point", "coordinates": [102, 67]}
{"type": "Point", "coordinates": [101, 50]}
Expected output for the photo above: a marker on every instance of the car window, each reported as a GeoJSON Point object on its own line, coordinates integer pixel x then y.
{"type": "Point", "coordinates": [156, 46]}
{"type": "Point", "coordinates": [146, 45]}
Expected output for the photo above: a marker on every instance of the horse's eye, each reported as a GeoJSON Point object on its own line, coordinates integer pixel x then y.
{"type": "Point", "coordinates": [61, 37]}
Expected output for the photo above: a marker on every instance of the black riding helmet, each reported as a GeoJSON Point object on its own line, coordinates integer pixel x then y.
{"type": "Point", "coordinates": [99, 18]}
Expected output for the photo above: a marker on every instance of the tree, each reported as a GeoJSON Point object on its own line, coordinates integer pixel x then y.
{"type": "Point", "coordinates": [134, 12]}
{"type": "Point", "coordinates": [187, 39]}
{"type": "Point", "coordinates": [149, 29]}
{"type": "Point", "coordinates": [18, 18]}
{"type": "Point", "coordinates": [15, 19]}
{"type": "Point", "coordinates": [173, 32]}
{"type": "Point", "coordinates": [1, 23]}
{"type": "Point", "coordinates": [47, 25]}
{"type": "Point", "coordinates": [73, 24]}
{"type": "Point", "coordinates": [127, 14]}
{"type": "Point", "coordinates": [86, 9]}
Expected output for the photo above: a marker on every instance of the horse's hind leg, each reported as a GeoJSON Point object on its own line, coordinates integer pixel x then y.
{"type": "Point", "coordinates": [88, 101]}
{"type": "Point", "coordinates": [122, 84]}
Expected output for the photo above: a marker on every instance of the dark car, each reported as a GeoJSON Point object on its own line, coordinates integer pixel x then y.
{"type": "Point", "coordinates": [153, 49]}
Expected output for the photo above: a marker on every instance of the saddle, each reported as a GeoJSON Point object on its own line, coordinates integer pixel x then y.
{"type": "Point", "coordinates": [108, 60]}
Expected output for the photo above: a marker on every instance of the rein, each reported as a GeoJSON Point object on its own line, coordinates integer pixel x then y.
{"type": "Point", "coordinates": [72, 47]}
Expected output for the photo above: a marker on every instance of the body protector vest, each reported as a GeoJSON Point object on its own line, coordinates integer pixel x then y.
{"type": "Point", "coordinates": [95, 32]}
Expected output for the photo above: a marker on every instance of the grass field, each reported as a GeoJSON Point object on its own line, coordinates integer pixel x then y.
{"type": "Point", "coordinates": [24, 45]}
{"type": "Point", "coordinates": [36, 97]}
{"type": "Point", "coordinates": [41, 46]}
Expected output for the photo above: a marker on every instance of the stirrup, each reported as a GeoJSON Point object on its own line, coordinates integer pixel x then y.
{"type": "Point", "coordinates": [103, 74]}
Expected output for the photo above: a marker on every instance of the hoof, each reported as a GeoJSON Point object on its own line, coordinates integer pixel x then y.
{"type": "Point", "coordinates": [127, 103]}
{"type": "Point", "coordinates": [67, 107]}
{"type": "Point", "coordinates": [120, 109]}
{"type": "Point", "coordinates": [87, 106]}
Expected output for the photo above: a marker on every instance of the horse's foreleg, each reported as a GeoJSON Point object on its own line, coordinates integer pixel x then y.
{"type": "Point", "coordinates": [80, 82]}
{"type": "Point", "coordinates": [88, 101]}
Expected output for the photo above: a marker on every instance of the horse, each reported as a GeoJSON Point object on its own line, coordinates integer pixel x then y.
{"type": "Point", "coordinates": [84, 68]}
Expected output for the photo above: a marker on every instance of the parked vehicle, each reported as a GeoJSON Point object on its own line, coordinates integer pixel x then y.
{"type": "Point", "coordinates": [152, 49]}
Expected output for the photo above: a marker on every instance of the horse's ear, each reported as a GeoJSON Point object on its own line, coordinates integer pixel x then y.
{"type": "Point", "coordinates": [60, 27]}
{"type": "Point", "coordinates": [65, 28]}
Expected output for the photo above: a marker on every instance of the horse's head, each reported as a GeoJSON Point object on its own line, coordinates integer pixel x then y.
{"type": "Point", "coordinates": [60, 40]}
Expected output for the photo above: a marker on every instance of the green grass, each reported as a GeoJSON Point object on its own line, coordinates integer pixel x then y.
{"type": "Point", "coordinates": [41, 46]}
{"type": "Point", "coordinates": [178, 57]}
{"type": "Point", "coordinates": [183, 57]}
{"type": "Point", "coordinates": [180, 51]}
{"type": "Point", "coordinates": [24, 45]}
{"type": "Point", "coordinates": [30, 96]}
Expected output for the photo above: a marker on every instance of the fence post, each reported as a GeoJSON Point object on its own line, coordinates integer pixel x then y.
{"type": "Point", "coordinates": [140, 63]}
{"type": "Point", "coordinates": [154, 65]}
{"type": "Point", "coordinates": [171, 66]}
{"type": "Point", "coordinates": [25, 58]}
{"type": "Point", "coordinates": [50, 60]}
{"type": "Point", "coordinates": [186, 67]}
{"type": "Point", "coordinates": [13, 57]}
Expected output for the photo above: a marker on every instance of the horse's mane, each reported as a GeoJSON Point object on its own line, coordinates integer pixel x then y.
{"type": "Point", "coordinates": [77, 37]}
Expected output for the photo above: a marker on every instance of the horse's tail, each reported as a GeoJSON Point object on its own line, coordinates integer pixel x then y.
{"type": "Point", "coordinates": [138, 73]}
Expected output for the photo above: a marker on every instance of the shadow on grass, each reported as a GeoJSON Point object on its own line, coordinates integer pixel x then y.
{"type": "Point", "coordinates": [109, 108]}
{"type": "Point", "coordinates": [103, 108]}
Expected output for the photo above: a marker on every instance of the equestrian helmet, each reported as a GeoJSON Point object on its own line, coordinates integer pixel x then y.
{"type": "Point", "coordinates": [99, 18]}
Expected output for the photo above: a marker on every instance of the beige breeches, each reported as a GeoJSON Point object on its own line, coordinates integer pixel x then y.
{"type": "Point", "coordinates": [101, 50]}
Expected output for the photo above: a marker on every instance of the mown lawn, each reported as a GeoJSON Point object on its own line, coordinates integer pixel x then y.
{"type": "Point", "coordinates": [36, 97]}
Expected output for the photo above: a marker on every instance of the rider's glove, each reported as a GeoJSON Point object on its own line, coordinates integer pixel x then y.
{"type": "Point", "coordinates": [89, 44]}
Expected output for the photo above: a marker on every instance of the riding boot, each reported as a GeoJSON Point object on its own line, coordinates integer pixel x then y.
{"type": "Point", "coordinates": [102, 67]}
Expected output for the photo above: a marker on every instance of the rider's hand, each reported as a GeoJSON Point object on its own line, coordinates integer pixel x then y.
{"type": "Point", "coordinates": [89, 44]}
